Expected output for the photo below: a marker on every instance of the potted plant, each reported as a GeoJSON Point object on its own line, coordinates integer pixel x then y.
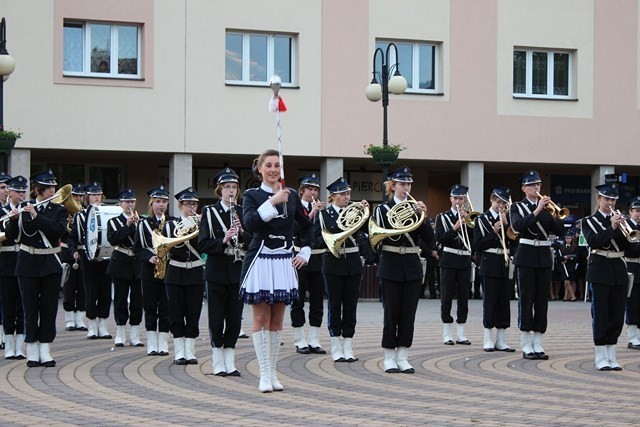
{"type": "Point", "coordinates": [8, 139]}
{"type": "Point", "coordinates": [384, 154]}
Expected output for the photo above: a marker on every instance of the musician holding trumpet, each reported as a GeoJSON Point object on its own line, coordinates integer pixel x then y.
{"type": "Point", "coordinates": [223, 239]}
{"type": "Point", "coordinates": [632, 255]}
{"type": "Point", "coordinates": [400, 223]}
{"type": "Point", "coordinates": [534, 218]}
{"type": "Point", "coordinates": [125, 271]}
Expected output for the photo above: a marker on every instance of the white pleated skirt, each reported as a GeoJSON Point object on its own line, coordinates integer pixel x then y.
{"type": "Point", "coordinates": [271, 278]}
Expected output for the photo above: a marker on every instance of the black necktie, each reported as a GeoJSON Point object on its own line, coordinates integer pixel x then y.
{"type": "Point", "coordinates": [308, 206]}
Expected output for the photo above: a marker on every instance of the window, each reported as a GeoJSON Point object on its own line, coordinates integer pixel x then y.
{"type": "Point", "coordinates": [417, 63]}
{"type": "Point", "coordinates": [101, 50]}
{"type": "Point", "coordinates": [542, 74]}
{"type": "Point", "coordinates": [252, 58]}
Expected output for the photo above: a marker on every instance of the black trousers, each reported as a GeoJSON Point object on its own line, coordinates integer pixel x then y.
{"type": "Point", "coordinates": [98, 287]}
{"type": "Point", "coordinates": [607, 312]}
{"type": "Point", "coordinates": [12, 313]}
{"type": "Point", "coordinates": [342, 293]}
{"type": "Point", "coordinates": [40, 303]}
{"type": "Point", "coordinates": [496, 302]}
{"type": "Point", "coordinates": [314, 283]}
{"type": "Point", "coordinates": [124, 310]}
{"type": "Point", "coordinates": [633, 306]}
{"type": "Point", "coordinates": [454, 280]}
{"type": "Point", "coordinates": [400, 304]}
{"type": "Point", "coordinates": [533, 290]}
{"type": "Point", "coordinates": [156, 305]}
{"type": "Point", "coordinates": [185, 306]}
{"type": "Point", "coordinates": [225, 313]}
{"type": "Point", "coordinates": [74, 297]}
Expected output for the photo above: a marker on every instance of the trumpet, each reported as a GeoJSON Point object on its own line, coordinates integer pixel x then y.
{"type": "Point", "coordinates": [630, 234]}
{"type": "Point", "coordinates": [134, 215]}
{"type": "Point", "coordinates": [315, 202]}
{"type": "Point", "coordinates": [554, 209]}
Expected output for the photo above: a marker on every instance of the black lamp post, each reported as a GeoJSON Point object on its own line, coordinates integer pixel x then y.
{"type": "Point", "coordinates": [7, 65]}
{"type": "Point", "coordinates": [376, 91]}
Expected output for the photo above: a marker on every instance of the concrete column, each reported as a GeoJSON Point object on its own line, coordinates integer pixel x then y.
{"type": "Point", "coordinates": [472, 176]}
{"type": "Point", "coordinates": [330, 170]}
{"type": "Point", "coordinates": [19, 162]}
{"type": "Point", "coordinates": [180, 177]}
{"type": "Point", "coordinates": [597, 178]}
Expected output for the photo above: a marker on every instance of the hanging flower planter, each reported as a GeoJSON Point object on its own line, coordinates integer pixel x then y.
{"type": "Point", "coordinates": [8, 139]}
{"type": "Point", "coordinates": [384, 155]}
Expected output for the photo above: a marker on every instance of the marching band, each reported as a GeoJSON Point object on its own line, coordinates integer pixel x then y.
{"type": "Point", "coordinates": [272, 245]}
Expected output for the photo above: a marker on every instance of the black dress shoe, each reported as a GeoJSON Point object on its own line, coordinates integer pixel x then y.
{"type": "Point", "coordinates": [489, 350]}
{"type": "Point", "coordinates": [633, 346]}
{"type": "Point", "coordinates": [119, 344]}
{"type": "Point", "coordinates": [81, 328]}
{"type": "Point", "coordinates": [352, 359]}
{"type": "Point", "coordinates": [243, 336]}
{"type": "Point", "coordinates": [181, 361]}
{"type": "Point", "coordinates": [221, 374]}
{"type": "Point", "coordinates": [235, 373]}
{"type": "Point", "coordinates": [408, 371]}
{"type": "Point", "coordinates": [605, 368]}
{"type": "Point", "coordinates": [508, 349]}
{"type": "Point", "coordinates": [105, 337]}
{"type": "Point", "coordinates": [302, 350]}
{"type": "Point", "coordinates": [465, 342]}
{"type": "Point", "coordinates": [92, 337]}
{"type": "Point", "coordinates": [450, 342]}
{"type": "Point", "coordinates": [70, 328]}
{"type": "Point", "coordinates": [162, 353]}
{"type": "Point", "coordinates": [153, 353]}
{"type": "Point", "coordinates": [137, 345]}
{"type": "Point", "coordinates": [341, 360]}
{"type": "Point", "coordinates": [542, 355]}
{"type": "Point", "coordinates": [19, 357]}
{"type": "Point", "coordinates": [617, 368]}
{"type": "Point", "coordinates": [529, 356]}
{"type": "Point", "coordinates": [49, 364]}
{"type": "Point", "coordinates": [192, 362]}
{"type": "Point", "coordinates": [392, 371]}
{"type": "Point", "coordinates": [317, 350]}
{"type": "Point", "coordinates": [33, 363]}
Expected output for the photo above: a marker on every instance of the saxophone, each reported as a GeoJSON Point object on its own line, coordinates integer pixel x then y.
{"type": "Point", "coordinates": [162, 253]}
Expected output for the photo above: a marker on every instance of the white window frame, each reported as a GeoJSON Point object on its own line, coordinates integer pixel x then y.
{"type": "Point", "coordinates": [246, 54]}
{"type": "Point", "coordinates": [415, 68]}
{"type": "Point", "coordinates": [550, 77]}
{"type": "Point", "coordinates": [113, 58]}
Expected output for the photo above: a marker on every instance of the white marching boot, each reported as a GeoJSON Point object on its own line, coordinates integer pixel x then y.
{"type": "Point", "coordinates": [302, 346]}
{"type": "Point", "coordinates": [526, 345]}
{"type": "Point", "coordinates": [611, 354]}
{"type": "Point", "coordinates": [33, 354]}
{"type": "Point", "coordinates": [602, 359]}
{"type": "Point", "coordinates": [92, 329]}
{"type": "Point", "coordinates": [403, 362]}
{"type": "Point", "coordinates": [79, 321]}
{"type": "Point", "coordinates": [446, 334]}
{"type": "Point", "coordinates": [69, 321]}
{"type": "Point", "coordinates": [45, 358]}
{"type": "Point", "coordinates": [489, 344]}
{"type": "Point", "coordinates": [190, 351]}
{"type": "Point", "coordinates": [152, 343]}
{"type": "Point", "coordinates": [178, 348]}
{"type": "Point", "coordinates": [537, 346]}
{"type": "Point", "coordinates": [230, 362]}
{"type": "Point", "coordinates": [336, 350]}
{"type": "Point", "coordinates": [9, 347]}
{"type": "Point", "coordinates": [275, 337]}
{"type": "Point", "coordinates": [163, 343]}
{"type": "Point", "coordinates": [501, 344]}
{"type": "Point", "coordinates": [348, 350]}
{"type": "Point", "coordinates": [460, 338]}
{"type": "Point", "coordinates": [390, 364]}
{"type": "Point", "coordinates": [263, 354]}
{"type": "Point", "coordinates": [103, 332]}
{"type": "Point", "coordinates": [314, 342]}
{"type": "Point", "coordinates": [217, 362]}
{"type": "Point", "coordinates": [121, 334]}
{"type": "Point", "coordinates": [19, 348]}
{"type": "Point", "coordinates": [633, 336]}
{"type": "Point", "coordinates": [134, 339]}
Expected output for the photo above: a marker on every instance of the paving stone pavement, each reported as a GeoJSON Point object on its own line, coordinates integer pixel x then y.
{"type": "Point", "coordinates": [95, 384]}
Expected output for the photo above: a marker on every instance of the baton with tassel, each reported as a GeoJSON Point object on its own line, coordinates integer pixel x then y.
{"type": "Point", "coordinates": [276, 104]}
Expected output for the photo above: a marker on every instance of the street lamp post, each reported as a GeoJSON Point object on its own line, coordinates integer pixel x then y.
{"type": "Point", "coordinates": [7, 65]}
{"type": "Point", "coordinates": [376, 91]}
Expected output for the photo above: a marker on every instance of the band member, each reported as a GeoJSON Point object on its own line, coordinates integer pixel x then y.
{"type": "Point", "coordinates": [74, 297]}
{"type": "Point", "coordinates": [566, 256]}
{"type": "Point", "coordinates": [607, 275]}
{"type": "Point", "coordinates": [492, 248]}
{"type": "Point", "coordinates": [269, 281]}
{"type": "Point", "coordinates": [97, 283]}
{"type": "Point", "coordinates": [12, 313]}
{"type": "Point", "coordinates": [401, 273]}
{"type": "Point", "coordinates": [184, 279]}
{"type": "Point", "coordinates": [154, 290]}
{"type": "Point", "coordinates": [454, 235]}
{"type": "Point", "coordinates": [123, 268]}
{"type": "Point", "coordinates": [632, 257]}
{"type": "Point", "coordinates": [223, 239]}
{"type": "Point", "coordinates": [4, 197]}
{"type": "Point", "coordinates": [309, 277]}
{"type": "Point", "coordinates": [533, 262]}
{"type": "Point", "coordinates": [38, 230]}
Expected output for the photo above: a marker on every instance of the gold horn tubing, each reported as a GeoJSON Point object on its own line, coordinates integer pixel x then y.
{"type": "Point", "coordinates": [630, 234]}
{"type": "Point", "coordinates": [350, 220]}
{"type": "Point", "coordinates": [403, 217]}
{"type": "Point", "coordinates": [503, 240]}
{"type": "Point", "coordinates": [554, 209]}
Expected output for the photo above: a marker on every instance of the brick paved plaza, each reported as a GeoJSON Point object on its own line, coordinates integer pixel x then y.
{"type": "Point", "coordinates": [95, 384]}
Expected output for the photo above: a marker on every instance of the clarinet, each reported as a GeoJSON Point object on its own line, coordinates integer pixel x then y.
{"type": "Point", "coordinates": [237, 256]}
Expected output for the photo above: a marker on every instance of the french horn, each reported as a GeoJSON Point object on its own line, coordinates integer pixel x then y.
{"type": "Point", "coordinates": [403, 217]}
{"type": "Point", "coordinates": [350, 220]}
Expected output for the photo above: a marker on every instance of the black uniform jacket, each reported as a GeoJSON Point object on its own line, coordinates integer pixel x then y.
{"type": "Point", "coordinates": [447, 237]}
{"type": "Point", "coordinates": [525, 222]}
{"type": "Point", "coordinates": [394, 266]}
{"type": "Point", "coordinates": [183, 253]}
{"type": "Point", "coordinates": [220, 266]}
{"type": "Point", "coordinates": [143, 245]}
{"type": "Point", "coordinates": [7, 258]}
{"type": "Point", "coordinates": [347, 264]}
{"type": "Point", "coordinates": [633, 252]}
{"type": "Point", "coordinates": [600, 235]}
{"type": "Point", "coordinates": [52, 222]}
{"type": "Point", "coordinates": [76, 240]}
{"type": "Point", "coordinates": [491, 264]}
{"type": "Point", "coordinates": [315, 261]}
{"type": "Point", "coordinates": [119, 234]}
{"type": "Point", "coordinates": [264, 233]}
